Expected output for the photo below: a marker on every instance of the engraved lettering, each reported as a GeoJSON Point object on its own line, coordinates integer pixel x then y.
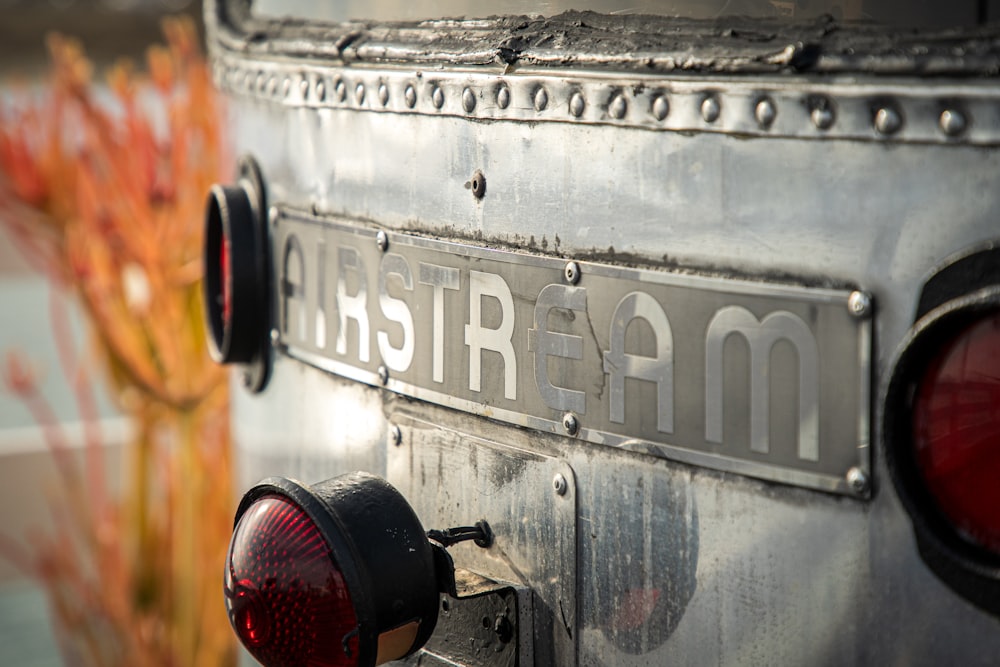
{"type": "Point", "coordinates": [659, 369]}
{"type": "Point", "coordinates": [761, 335]}
{"type": "Point", "coordinates": [352, 306]}
{"type": "Point", "coordinates": [480, 338]}
{"type": "Point", "coordinates": [440, 278]}
{"type": "Point", "coordinates": [396, 310]}
{"type": "Point", "coordinates": [545, 344]}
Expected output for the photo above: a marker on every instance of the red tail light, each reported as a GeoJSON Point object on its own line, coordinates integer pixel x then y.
{"type": "Point", "coordinates": [941, 432]}
{"type": "Point", "coordinates": [340, 573]}
{"type": "Point", "coordinates": [237, 275]}
{"type": "Point", "coordinates": [285, 594]}
{"type": "Point", "coordinates": [956, 430]}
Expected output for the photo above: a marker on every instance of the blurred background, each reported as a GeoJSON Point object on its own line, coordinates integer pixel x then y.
{"type": "Point", "coordinates": [36, 310]}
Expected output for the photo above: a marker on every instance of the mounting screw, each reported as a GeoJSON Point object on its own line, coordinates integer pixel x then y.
{"type": "Point", "coordinates": [383, 375]}
{"type": "Point", "coordinates": [857, 480]}
{"type": "Point", "coordinates": [559, 484]}
{"type": "Point", "coordinates": [571, 423]}
{"type": "Point", "coordinates": [572, 275]}
{"type": "Point", "coordinates": [859, 304]}
{"type": "Point", "coordinates": [382, 241]}
{"type": "Point", "coordinates": [395, 435]}
{"type": "Point", "coordinates": [478, 185]}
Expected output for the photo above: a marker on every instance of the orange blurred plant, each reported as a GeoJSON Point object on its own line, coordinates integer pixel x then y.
{"type": "Point", "coordinates": [113, 209]}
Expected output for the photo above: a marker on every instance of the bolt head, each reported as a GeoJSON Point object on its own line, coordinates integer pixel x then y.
{"type": "Point", "coordinates": [572, 273]}
{"type": "Point", "coordinates": [822, 115]}
{"type": "Point", "coordinates": [410, 96]}
{"type": "Point", "coordinates": [859, 304]}
{"type": "Point", "coordinates": [660, 107]}
{"type": "Point", "coordinates": [571, 423]}
{"type": "Point", "coordinates": [888, 120]}
{"type": "Point", "coordinates": [765, 113]}
{"type": "Point", "coordinates": [382, 240]}
{"type": "Point", "coordinates": [383, 94]}
{"type": "Point", "coordinates": [559, 484]}
{"type": "Point", "coordinates": [952, 122]}
{"type": "Point", "coordinates": [541, 99]}
{"type": "Point", "coordinates": [468, 100]}
{"type": "Point", "coordinates": [577, 104]}
{"type": "Point", "coordinates": [710, 109]}
{"type": "Point", "coordinates": [618, 106]}
{"type": "Point", "coordinates": [503, 97]}
{"type": "Point", "coordinates": [857, 480]}
{"type": "Point", "coordinates": [437, 97]}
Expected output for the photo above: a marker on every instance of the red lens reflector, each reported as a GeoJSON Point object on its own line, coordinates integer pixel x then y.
{"type": "Point", "coordinates": [956, 420]}
{"type": "Point", "coordinates": [285, 595]}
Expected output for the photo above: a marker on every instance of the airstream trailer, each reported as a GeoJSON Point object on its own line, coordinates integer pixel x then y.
{"type": "Point", "coordinates": [612, 335]}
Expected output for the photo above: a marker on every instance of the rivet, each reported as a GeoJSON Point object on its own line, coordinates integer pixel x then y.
{"type": "Point", "coordinates": [765, 112]}
{"type": "Point", "coordinates": [272, 86]}
{"type": "Point", "coordinates": [821, 114]}
{"type": "Point", "coordinates": [570, 423]}
{"type": "Point", "coordinates": [660, 107]}
{"type": "Point", "coordinates": [618, 106]}
{"type": "Point", "coordinates": [503, 97]}
{"type": "Point", "coordinates": [304, 88]}
{"type": "Point", "coordinates": [383, 375]}
{"type": "Point", "coordinates": [410, 95]}
{"type": "Point", "coordinates": [468, 100]}
{"type": "Point", "coordinates": [359, 93]}
{"type": "Point", "coordinates": [286, 87]}
{"type": "Point", "coordinates": [559, 484]}
{"type": "Point", "coordinates": [383, 94]}
{"type": "Point", "coordinates": [340, 88]}
{"type": "Point", "coordinates": [478, 185]}
{"type": "Point", "coordinates": [320, 91]}
{"type": "Point", "coordinates": [541, 99]}
{"type": "Point", "coordinates": [261, 82]}
{"type": "Point", "coordinates": [572, 273]}
{"type": "Point", "coordinates": [710, 109]}
{"type": "Point", "coordinates": [437, 97]}
{"type": "Point", "coordinates": [382, 240]}
{"type": "Point", "coordinates": [857, 480]}
{"type": "Point", "coordinates": [952, 122]}
{"type": "Point", "coordinates": [577, 104]}
{"type": "Point", "coordinates": [859, 304]}
{"type": "Point", "coordinates": [888, 120]}
{"type": "Point", "coordinates": [395, 435]}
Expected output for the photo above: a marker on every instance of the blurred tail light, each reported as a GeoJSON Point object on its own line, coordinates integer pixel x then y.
{"type": "Point", "coordinates": [340, 573]}
{"type": "Point", "coordinates": [942, 436]}
{"type": "Point", "coordinates": [237, 274]}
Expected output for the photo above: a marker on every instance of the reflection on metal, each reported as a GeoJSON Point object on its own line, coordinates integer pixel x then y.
{"type": "Point", "coordinates": [499, 334]}
{"type": "Point", "coordinates": [447, 474]}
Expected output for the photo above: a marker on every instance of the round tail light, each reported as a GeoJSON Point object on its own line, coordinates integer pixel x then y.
{"type": "Point", "coordinates": [237, 273]}
{"type": "Point", "coordinates": [340, 573]}
{"type": "Point", "coordinates": [942, 436]}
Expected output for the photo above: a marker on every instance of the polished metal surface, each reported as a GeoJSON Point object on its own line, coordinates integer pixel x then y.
{"type": "Point", "coordinates": [672, 561]}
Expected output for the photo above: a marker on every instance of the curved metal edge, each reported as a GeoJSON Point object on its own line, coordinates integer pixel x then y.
{"type": "Point", "coordinates": [734, 45]}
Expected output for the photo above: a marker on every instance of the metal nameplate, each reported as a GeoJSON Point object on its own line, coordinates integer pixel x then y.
{"type": "Point", "coordinates": [762, 379]}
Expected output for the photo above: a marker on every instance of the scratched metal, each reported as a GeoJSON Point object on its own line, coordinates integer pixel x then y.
{"type": "Point", "coordinates": [759, 378]}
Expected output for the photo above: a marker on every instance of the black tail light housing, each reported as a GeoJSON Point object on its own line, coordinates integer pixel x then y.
{"type": "Point", "coordinates": [942, 434]}
{"type": "Point", "coordinates": [237, 275]}
{"type": "Point", "coordinates": [339, 573]}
